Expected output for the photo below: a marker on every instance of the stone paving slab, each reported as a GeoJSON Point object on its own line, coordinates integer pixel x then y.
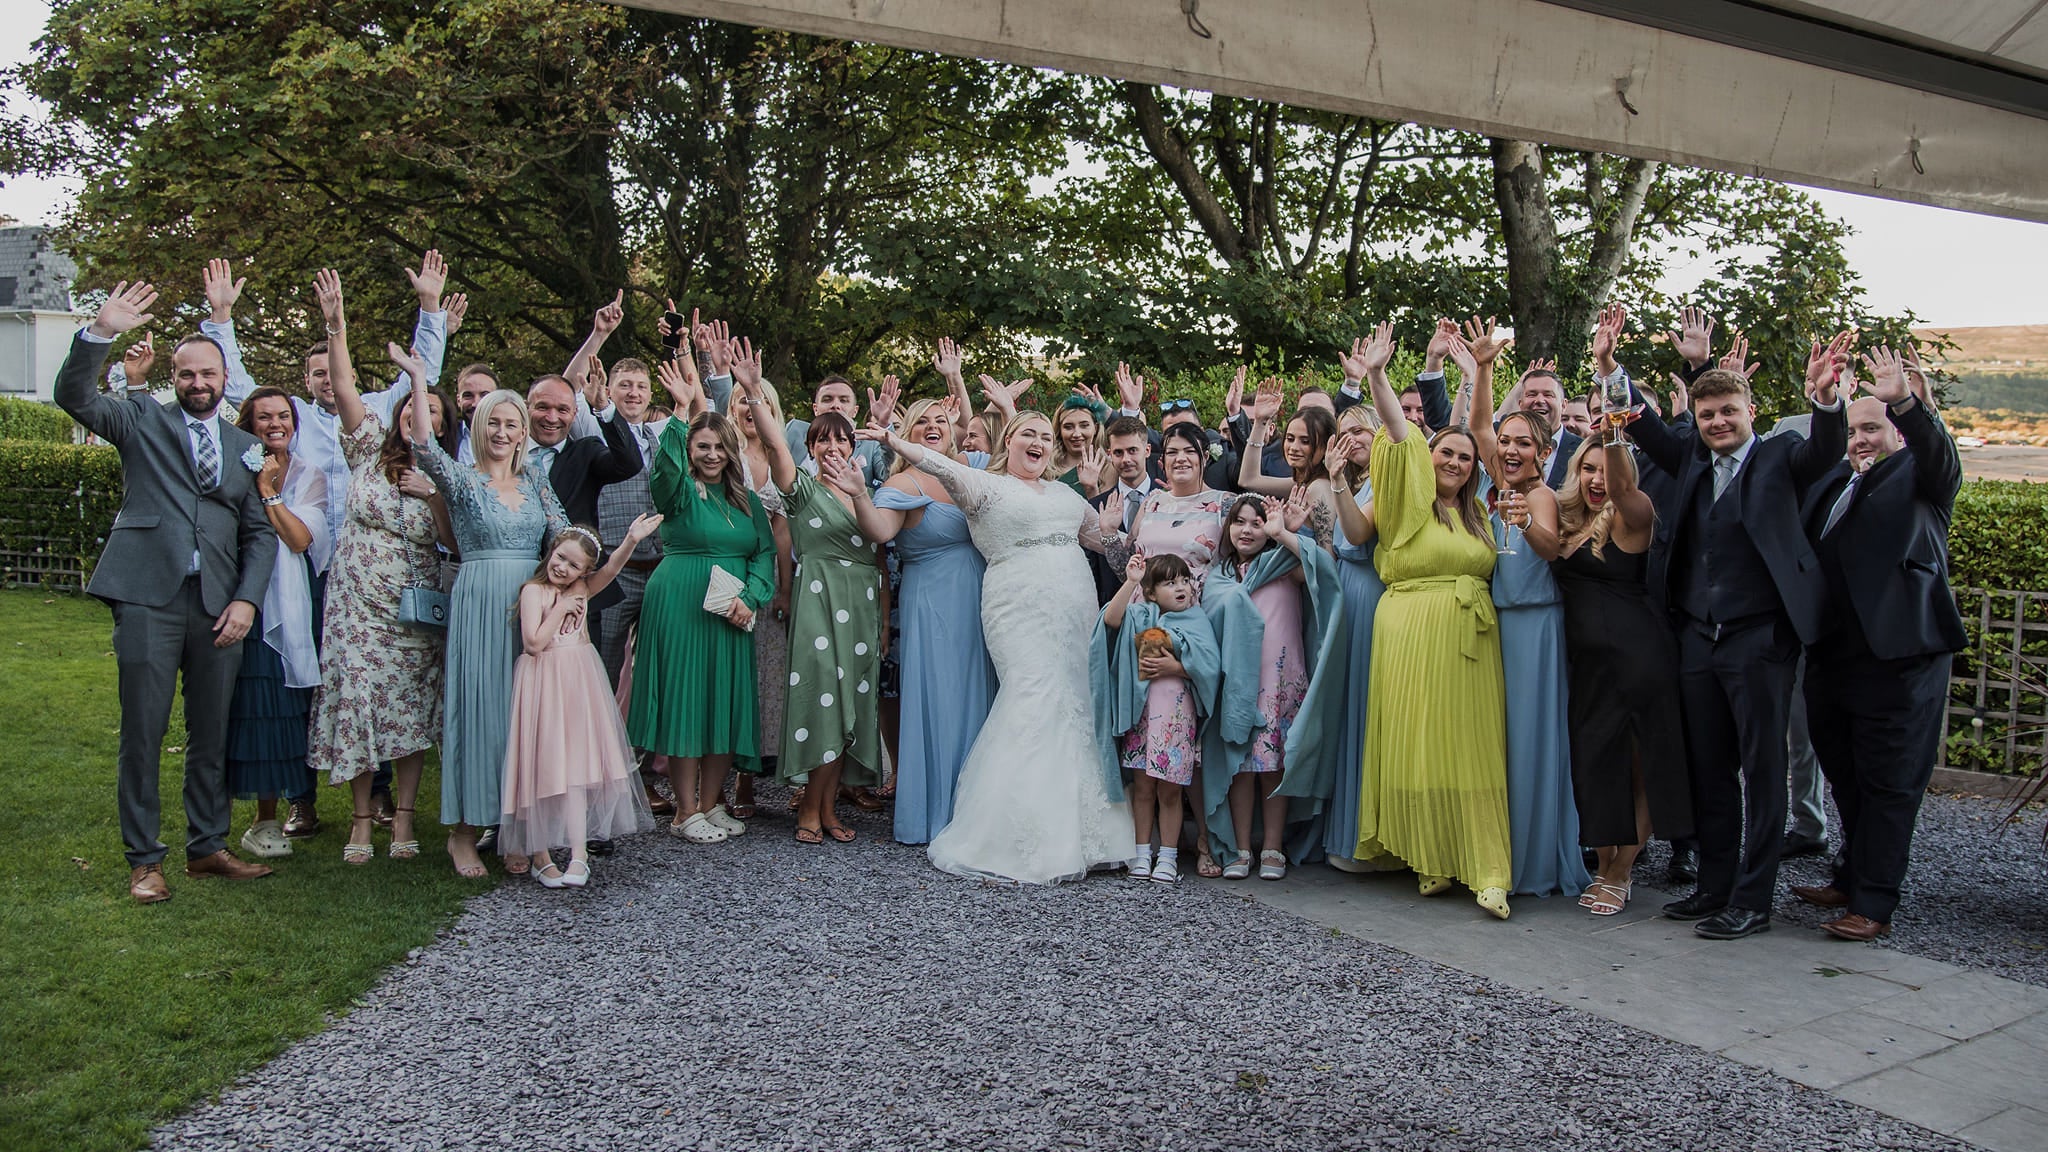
{"type": "Point", "coordinates": [1951, 1049]}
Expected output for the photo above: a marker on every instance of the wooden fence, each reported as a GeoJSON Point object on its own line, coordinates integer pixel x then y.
{"type": "Point", "coordinates": [1997, 712]}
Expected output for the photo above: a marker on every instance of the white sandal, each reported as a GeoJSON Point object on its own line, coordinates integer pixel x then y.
{"type": "Point", "coordinates": [1272, 865]}
{"type": "Point", "coordinates": [1239, 868]}
{"type": "Point", "coordinates": [1139, 867]}
{"type": "Point", "coordinates": [1166, 872]}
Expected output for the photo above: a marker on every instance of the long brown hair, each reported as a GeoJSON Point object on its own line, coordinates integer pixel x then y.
{"type": "Point", "coordinates": [734, 478]}
{"type": "Point", "coordinates": [1470, 516]}
{"type": "Point", "coordinates": [395, 456]}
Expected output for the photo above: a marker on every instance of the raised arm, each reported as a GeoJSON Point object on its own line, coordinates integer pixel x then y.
{"type": "Point", "coordinates": [641, 528]}
{"type": "Point", "coordinates": [1937, 470]}
{"type": "Point", "coordinates": [283, 521]}
{"type": "Point", "coordinates": [348, 403]}
{"type": "Point", "coordinates": [1484, 436]}
{"type": "Point", "coordinates": [1377, 354]}
{"type": "Point", "coordinates": [1635, 517]}
{"type": "Point", "coordinates": [946, 362]}
{"type": "Point", "coordinates": [1827, 438]}
{"type": "Point", "coordinates": [1265, 416]}
{"type": "Point", "coordinates": [222, 290]}
{"type": "Point", "coordinates": [602, 326]}
{"type": "Point", "coordinates": [1113, 612]}
{"type": "Point", "coordinates": [429, 336]}
{"type": "Point", "coordinates": [746, 374]}
{"type": "Point", "coordinates": [1436, 401]}
{"type": "Point", "coordinates": [77, 387]}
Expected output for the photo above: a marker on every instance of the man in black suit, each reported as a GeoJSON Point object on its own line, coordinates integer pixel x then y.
{"type": "Point", "coordinates": [1877, 676]}
{"type": "Point", "coordinates": [1130, 448]}
{"type": "Point", "coordinates": [1734, 568]}
{"type": "Point", "coordinates": [186, 564]}
{"type": "Point", "coordinates": [576, 467]}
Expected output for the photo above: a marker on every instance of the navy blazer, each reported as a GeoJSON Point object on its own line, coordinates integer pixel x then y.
{"type": "Point", "coordinates": [1774, 486]}
{"type": "Point", "coordinates": [1893, 540]}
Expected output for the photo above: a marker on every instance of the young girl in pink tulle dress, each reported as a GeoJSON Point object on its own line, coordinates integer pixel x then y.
{"type": "Point", "coordinates": [569, 773]}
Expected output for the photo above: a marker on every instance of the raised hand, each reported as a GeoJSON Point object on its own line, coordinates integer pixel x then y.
{"type": "Point", "coordinates": [1486, 344]}
{"type": "Point", "coordinates": [1439, 345]}
{"type": "Point", "coordinates": [1233, 400]}
{"type": "Point", "coordinates": [1535, 366]}
{"type": "Point", "coordinates": [222, 289]}
{"type": "Point", "coordinates": [745, 365]}
{"type": "Point", "coordinates": [327, 293]}
{"type": "Point", "coordinates": [1266, 401]}
{"type": "Point", "coordinates": [1339, 453]}
{"type": "Point", "coordinates": [882, 404]}
{"type": "Point", "coordinates": [1295, 513]}
{"type": "Point", "coordinates": [841, 474]}
{"type": "Point", "coordinates": [1130, 389]}
{"type": "Point", "coordinates": [1737, 357]}
{"type": "Point", "coordinates": [716, 339]}
{"type": "Point", "coordinates": [594, 393]}
{"type": "Point", "coordinates": [1276, 517]}
{"type": "Point", "coordinates": [1681, 396]}
{"type": "Point", "coordinates": [1887, 375]}
{"type": "Point", "coordinates": [1377, 351]}
{"type": "Point", "coordinates": [1825, 365]}
{"type": "Point", "coordinates": [1090, 393]}
{"type": "Point", "coordinates": [1694, 338]}
{"type": "Point", "coordinates": [407, 359]}
{"type": "Point", "coordinates": [1091, 466]}
{"type": "Point", "coordinates": [1461, 355]}
{"type": "Point", "coordinates": [1606, 335]}
{"type": "Point", "coordinates": [127, 308]}
{"type": "Point", "coordinates": [456, 306]}
{"type": "Point", "coordinates": [1916, 376]}
{"type": "Point", "coordinates": [428, 282]}
{"type": "Point", "coordinates": [1134, 568]}
{"type": "Point", "coordinates": [137, 360]}
{"type": "Point", "coordinates": [610, 316]}
{"type": "Point", "coordinates": [679, 377]}
{"type": "Point", "coordinates": [946, 361]}
{"type": "Point", "coordinates": [874, 430]}
{"type": "Point", "coordinates": [642, 527]}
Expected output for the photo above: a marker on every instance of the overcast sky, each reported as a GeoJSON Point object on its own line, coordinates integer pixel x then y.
{"type": "Point", "coordinates": [1953, 269]}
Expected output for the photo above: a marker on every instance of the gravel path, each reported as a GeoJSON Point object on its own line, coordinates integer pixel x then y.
{"type": "Point", "coordinates": [1974, 894]}
{"type": "Point", "coordinates": [858, 1000]}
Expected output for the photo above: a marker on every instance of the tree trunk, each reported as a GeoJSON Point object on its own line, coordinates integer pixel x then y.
{"type": "Point", "coordinates": [1168, 147]}
{"type": "Point", "coordinates": [1529, 231]}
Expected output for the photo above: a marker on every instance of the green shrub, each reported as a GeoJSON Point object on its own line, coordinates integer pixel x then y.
{"type": "Point", "coordinates": [56, 503]}
{"type": "Point", "coordinates": [2000, 535]}
{"type": "Point", "coordinates": [32, 420]}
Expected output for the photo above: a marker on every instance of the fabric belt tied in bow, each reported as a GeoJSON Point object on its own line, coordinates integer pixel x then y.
{"type": "Point", "coordinates": [1475, 606]}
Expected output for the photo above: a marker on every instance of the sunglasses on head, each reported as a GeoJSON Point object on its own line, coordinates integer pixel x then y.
{"type": "Point", "coordinates": [1171, 406]}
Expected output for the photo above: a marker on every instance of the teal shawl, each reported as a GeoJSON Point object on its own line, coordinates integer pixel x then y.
{"type": "Point", "coordinates": [1312, 743]}
{"type": "Point", "coordinates": [1119, 693]}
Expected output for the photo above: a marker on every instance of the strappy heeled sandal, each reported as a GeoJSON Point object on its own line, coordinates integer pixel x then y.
{"type": "Point", "coordinates": [360, 853]}
{"type": "Point", "coordinates": [404, 849]}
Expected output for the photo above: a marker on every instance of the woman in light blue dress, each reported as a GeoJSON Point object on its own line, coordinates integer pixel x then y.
{"type": "Point", "coordinates": [501, 514]}
{"type": "Point", "coordinates": [1543, 817]}
{"type": "Point", "coordinates": [1361, 585]}
{"type": "Point", "coordinates": [947, 680]}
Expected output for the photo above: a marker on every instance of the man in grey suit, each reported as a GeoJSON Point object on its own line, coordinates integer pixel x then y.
{"type": "Point", "coordinates": [186, 563]}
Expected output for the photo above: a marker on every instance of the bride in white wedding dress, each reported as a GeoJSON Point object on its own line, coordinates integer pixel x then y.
{"type": "Point", "coordinates": [1030, 805]}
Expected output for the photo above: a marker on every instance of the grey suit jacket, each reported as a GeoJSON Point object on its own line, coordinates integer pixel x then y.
{"type": "Point", "coordinates": [164, 515]}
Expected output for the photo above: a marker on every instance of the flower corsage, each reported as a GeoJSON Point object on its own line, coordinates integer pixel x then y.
{"type": "Point", "coordinates": [252, 458]}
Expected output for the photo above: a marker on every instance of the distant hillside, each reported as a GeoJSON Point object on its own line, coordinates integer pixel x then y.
{"type": "Point", "coordinates": [2025, 392]}
{"type": "Point", "coordinates": [2007, 348]}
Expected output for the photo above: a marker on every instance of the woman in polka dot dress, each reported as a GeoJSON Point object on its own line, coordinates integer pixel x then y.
{"type": "Point", "coordinates": [830, 721]}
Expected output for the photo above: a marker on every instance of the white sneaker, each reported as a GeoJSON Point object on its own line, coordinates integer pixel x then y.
{"type": "Point", "coordinates": [266, 838]}
{"type": "Point", "coordinates": [720, 818]}
{"type": "Point", "coordinates": [699, 829]}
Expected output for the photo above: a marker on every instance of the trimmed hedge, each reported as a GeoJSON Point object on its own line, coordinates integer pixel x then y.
{"type": "Point", "coordinates": [2000, 536]}
{"type": "Point", "coordinates": [56, 503]}
{"type": "Point", "coordinates": [32, 420]}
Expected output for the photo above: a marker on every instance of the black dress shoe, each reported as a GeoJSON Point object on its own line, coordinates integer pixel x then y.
{"type": "Point", "coordinates": [1733, 924]}
{"type": "Point", "coordinates": [600, 847]}
{"type": "Point", "coordinates": [1685, 864]}
{"type": "Point", "coordinates": [1796, 846]}
{"type": "Point", "coordinates": [1697, 906]}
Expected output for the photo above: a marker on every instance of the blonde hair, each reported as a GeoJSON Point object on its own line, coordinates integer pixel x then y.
{"type": "Point", "coordinates": [482, 420]}
{"type": "Point", "coordinates": [1357, 416]}
{"type": "Point", "coordinates": [1573, 521]}
{"type": "Point", "coordinates": [1061, 462]}
{"type": "Point", "coordinates": [999, 465]}
{"type": "Point", "coordinates": [774, 400]}
{"type": "Point", "coordinates": [918, 408]}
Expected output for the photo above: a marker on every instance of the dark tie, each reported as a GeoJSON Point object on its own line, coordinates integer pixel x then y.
{"type": "Point", "coordinates": [207, 455]}
{"type": "Point", "coordinates": [1133, 499]}
{"type": "Point", "coordinates": [1842, 503]}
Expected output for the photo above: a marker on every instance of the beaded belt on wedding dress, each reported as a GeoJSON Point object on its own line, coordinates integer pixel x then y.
{"type": "Point", "coordinates": [1056, 539]}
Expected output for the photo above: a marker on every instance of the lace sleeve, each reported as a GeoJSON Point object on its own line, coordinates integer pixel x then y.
{"type": "Point", "coordinates": [972, 489]}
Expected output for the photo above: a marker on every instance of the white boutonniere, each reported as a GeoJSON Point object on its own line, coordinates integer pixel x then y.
{"type": "Point", "coordinates": [1215, 451]}
{"type": "Point", "coordinates": [252, 458]}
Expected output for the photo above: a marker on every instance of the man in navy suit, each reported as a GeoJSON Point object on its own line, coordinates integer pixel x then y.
{"type": "Point", "coordinates": [1734, 568]}
{"type": "Point", "coordinates": [1877, 675]}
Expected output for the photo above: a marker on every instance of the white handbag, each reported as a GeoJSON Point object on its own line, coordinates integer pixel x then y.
{"type": "Point", "coordinates": [720, 591]}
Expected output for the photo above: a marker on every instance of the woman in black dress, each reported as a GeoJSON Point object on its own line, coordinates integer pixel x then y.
{"type": "Point", "coordinates": [1628, 742]}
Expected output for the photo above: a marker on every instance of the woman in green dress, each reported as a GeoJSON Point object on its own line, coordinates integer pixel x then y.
{"type": "Point", "coordinates": [1435, 792]}
{"type": "Point", "coordinates": [693, 673]}
{"type": "Point", "coordinates": [838, 602]}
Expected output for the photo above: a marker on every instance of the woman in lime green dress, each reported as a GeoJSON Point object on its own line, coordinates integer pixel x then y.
{"type": "Point", "coordinates": [1435, 786]}
{"type": "Point", "coordinates": [693, 673]}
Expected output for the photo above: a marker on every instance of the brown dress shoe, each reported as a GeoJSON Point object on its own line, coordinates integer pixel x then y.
{"type": "Point", "coordinates": [304, 820]}
{"type": "Point", "coordinates": [224, 865]}
{"type": "Point", "coordinates": [1827, 896]}
{"type": "Point", "coordinates": [147, 885]}
{"type": "Point", "coordinates": [1861, 929]}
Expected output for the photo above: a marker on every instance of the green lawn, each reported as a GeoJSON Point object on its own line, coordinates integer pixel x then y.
{"type": "Point", "coordinates": [116, 1016]}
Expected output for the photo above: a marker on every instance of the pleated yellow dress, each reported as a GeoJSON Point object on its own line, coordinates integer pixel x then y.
{"type": "Point", "coordinates": [1434, 793]}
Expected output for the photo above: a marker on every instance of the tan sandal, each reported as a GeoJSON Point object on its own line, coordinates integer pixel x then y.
{"type": "Point", "coordinates": [353, 853]}
{"type": "Point", "coordinates": [403, 849]}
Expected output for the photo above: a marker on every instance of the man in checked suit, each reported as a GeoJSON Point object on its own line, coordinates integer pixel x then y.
{"type": "Point", "coordinates": [1877, 676]}
{"type": "Point", "coordinates": [186, 563]}
{"type": "Point", "coordinates": [1735, 570]}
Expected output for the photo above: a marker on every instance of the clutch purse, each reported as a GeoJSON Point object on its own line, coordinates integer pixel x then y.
{"type": "Point", "coordinates": [720, 591]}
{"type": "Point", "coordinates": [425, 608]}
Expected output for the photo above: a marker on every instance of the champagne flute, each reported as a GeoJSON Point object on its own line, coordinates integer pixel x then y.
{"type": "Point", "coordinates": [1495, 502]}
{"type": "Point", "coordinates": [1616, 404]}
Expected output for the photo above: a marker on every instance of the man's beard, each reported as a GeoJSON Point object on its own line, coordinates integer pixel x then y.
{"type": "Point", "coordinates": [191, 402]}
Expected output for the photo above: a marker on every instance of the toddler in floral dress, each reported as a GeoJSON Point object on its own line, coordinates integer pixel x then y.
{"type": "Point", "coordinates": [1167, 642]}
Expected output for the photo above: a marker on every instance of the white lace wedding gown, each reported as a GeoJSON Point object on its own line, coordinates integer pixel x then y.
{"type": "Point", "coordinates": [1030, 805]}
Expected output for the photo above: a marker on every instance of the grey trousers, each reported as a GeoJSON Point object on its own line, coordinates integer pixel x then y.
{"type": "Point", "coordinates": [615, 623]}
{"type": "Point", "coordinates": [1809, 807]}
{"type": "Point", "coordinates": [152, 646]}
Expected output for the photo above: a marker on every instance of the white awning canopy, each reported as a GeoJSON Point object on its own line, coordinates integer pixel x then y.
{"type": "Point", "coordinates": [1934, 101]}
